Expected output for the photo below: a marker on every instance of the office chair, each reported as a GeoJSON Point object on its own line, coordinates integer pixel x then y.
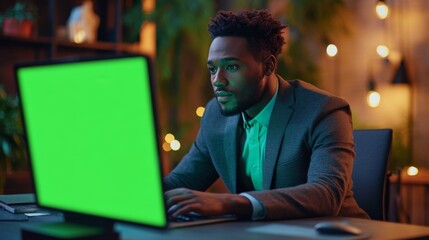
{"type": "Point", "coordinates": [370, 170]}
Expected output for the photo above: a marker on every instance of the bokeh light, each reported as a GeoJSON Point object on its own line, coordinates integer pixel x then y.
{"type": "Point", "coordinates": [166, 146]}
{"type": "Point", "coordinates": [175, 145]}
{"type": "Point", "coordinates": [169, 137]}
{"type": "Point", "coordinates": [412, 171]}
{"type": "Point", "coordinates": [373, 99]}
{"type": "Point", "coordinates": [383, 51]}
{"type": "Point", "coordinates": [382, 10]}
{"type": "Point", "coordinates": [200, 111]}
{"type": "Point", "coordinates": [331, 50]}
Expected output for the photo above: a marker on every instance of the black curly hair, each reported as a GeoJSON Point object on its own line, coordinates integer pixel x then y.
{"type": "Point", "coordinates": [262, 31]}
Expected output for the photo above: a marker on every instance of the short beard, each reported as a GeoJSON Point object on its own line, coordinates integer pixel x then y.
{"type": "Point", "coordinates": [242, 106]}
{"type": "Point", "coordinates": [231, 112]}
{"type": "Point", "coordinates": [237, 110]}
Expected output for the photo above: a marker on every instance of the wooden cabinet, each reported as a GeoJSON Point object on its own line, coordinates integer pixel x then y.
{"type": "Point", "coordinates": [409, 201]}
{"type": "Point", "coordinates": [49, 39]}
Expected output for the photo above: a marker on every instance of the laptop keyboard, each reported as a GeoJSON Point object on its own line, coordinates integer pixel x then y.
{"type": "Point", "coordinates": [192, 216]}
{"type": "Point", "coordinates": [186, 217]}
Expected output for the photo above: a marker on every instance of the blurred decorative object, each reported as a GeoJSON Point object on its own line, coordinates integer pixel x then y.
{"type": "Point", "coordinates": [83, 23]}
{"type": "Point", "coordinates": [401, 74]}
{"type": "Point", "coordinates": [12, 148]}
{"type": "Point", "coordinates": [20, 19]}
{"type": "Point", "coordinates": [382, 9]}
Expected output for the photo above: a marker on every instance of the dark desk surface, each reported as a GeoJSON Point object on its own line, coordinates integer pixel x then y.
{"type": "Point", "coordinates": [272, 230]}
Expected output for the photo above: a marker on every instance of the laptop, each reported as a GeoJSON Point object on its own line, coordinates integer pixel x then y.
{"type": "Point", "coordinates": [93, 139]}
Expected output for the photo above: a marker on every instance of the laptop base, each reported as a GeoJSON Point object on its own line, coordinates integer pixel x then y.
{"type": "Point", "coordinates": [66, 230]}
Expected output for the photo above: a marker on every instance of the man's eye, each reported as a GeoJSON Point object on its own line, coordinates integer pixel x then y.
{"type": "Point", "coordinates": [212, 70]}
{"type": "Point", "coordinates": [232, 68]}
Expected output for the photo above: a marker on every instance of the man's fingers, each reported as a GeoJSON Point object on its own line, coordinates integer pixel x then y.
{"type": "Point", "coordinates": [183, 207]}
{"type": "Point", "coordinates": [176, 199]}
{"type": "Point", "coordinates": [177, 195]}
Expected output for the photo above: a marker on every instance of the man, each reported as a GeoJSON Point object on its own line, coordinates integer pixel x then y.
{"type": "Point", "coordinates": [284, 149]}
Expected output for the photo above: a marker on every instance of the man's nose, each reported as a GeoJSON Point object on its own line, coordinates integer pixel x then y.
{"type": "Point", "coordinates": [219, 79]}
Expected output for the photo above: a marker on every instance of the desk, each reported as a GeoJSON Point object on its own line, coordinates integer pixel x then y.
{"type": "Point", "coordinates": [245, 230]}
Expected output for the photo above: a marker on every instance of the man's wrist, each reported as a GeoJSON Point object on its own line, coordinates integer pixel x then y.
{"type": "Point", "coordinates": [258, 210]}
{"type": "Point", "coordinates": [240, 206]}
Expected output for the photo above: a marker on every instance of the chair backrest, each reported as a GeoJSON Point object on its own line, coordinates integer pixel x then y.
{"type": "Point", "coordinates": [370, 170]}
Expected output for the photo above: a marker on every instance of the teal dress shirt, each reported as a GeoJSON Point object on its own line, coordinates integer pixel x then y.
{"type": "Point", "coordinates": [253, 154]}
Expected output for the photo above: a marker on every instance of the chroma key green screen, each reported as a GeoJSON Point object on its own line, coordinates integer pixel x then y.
{"type": "Point", "coordinates": [92, 138]}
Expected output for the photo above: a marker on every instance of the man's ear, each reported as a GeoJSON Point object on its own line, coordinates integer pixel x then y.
{"type": "Point", "coordinates": [270, 64]}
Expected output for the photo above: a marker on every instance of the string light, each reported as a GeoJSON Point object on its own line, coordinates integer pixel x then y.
{"type": "Point", "coordinates": [412, 171]}
{"type": "Point", "coordinates": [175, 145]}
{"type": "Point", "coordinates": [383, 51]}
{"type": "Point", "coordinates": [171, 143]}
{"type": "Point", "coordinates": [373, 99]}
{"type": "Point", "coordinates": [331, 50]}
{"type": "Point", "coordinates": [166, 146]}
{"type": "Point", "coordinates": [200, 111]}
{"type": "Point", "coordinates": [169, 137]}
{"type": "Point", "coordinates": [382, 9]}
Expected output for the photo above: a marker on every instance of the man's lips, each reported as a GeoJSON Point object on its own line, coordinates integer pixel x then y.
{"type": "Point", "coordinates": [223, 96]}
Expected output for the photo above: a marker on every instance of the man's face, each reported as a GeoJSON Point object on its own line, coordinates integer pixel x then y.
{"type": "Point", "coordinates": [236, 76]}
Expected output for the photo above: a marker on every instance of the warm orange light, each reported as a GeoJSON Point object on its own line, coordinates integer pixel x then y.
{"type": "Point", "coordinates": [200, 111]}
{"type": "Point", "coordinates": [383, 51]}
{"type": "Point", "coordinates": [169, 137]}
{"type": "Point", "coordinates": [331, 50]}
{"type": "Point", "coordinates": [373, 99]}
{"type": "Point", "coordinates": [166, 147]}
{"type": "Point", "coordinates": [147, 42]}
{"type": "Point", "coordinates": [412, 171]}
{"type": "Point", "coordinates": [79, 36]}
{"type": "Point", "coordinates": [382, 10]}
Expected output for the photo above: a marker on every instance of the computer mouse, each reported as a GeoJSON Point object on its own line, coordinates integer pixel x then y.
{"type": "Point", "coordinates": [337, 228]}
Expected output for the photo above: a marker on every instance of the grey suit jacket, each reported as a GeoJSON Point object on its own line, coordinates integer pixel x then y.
{"type": "Point", "coordinates": [308, 158]}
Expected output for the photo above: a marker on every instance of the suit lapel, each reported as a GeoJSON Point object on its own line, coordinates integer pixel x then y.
{"type": "Point", "coordinates": [231, 148]}
{"type": "Point", "coordinates": [280, 116]}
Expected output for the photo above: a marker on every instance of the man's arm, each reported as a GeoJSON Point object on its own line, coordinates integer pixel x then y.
{"type": "Point", "coordinates": [329, 139]}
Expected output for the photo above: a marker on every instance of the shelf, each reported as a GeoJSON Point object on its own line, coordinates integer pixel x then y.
{"type": "Point", "coordinates": [108, 46]}
{"type": "Point", "coordinates": [99, 46]}
{"type": "Point", "coordinates": [25, 40]}
{"type": "Point", "coordinates": [49, 41]}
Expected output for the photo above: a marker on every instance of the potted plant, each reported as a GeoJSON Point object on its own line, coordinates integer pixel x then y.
{"type": "Point", "coordinates": [13, 155]}
{"type": "Point", "coordinates": [20, 19]}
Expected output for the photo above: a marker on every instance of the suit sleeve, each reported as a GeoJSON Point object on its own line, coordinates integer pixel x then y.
{"type": "Point", "coordinates": [195, 170]}
{"type": "Point", "coordinates": [329, 138]}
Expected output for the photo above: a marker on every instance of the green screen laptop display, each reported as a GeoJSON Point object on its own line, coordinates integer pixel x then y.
{"type": "Point", "coordinates": [92, 138]}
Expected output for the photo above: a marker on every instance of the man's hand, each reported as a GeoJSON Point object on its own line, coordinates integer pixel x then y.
{"type": "Point", "coordinates": [182, 200]}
